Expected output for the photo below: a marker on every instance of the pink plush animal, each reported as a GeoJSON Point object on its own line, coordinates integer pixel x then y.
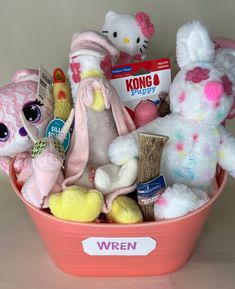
{"type": "Point", "coordinates": [47, 159]}
{"type": "Point", "coordinates": [21, 95]}
{"type": "Point", "coordinates": [99, 118]}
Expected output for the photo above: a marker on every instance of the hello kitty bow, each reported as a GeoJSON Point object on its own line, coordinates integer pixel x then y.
{"type": "Point", "coordinates": [145, 24]}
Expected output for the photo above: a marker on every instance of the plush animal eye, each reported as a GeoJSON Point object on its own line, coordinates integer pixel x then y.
{"type": "Point", "coordinates": [138, 40]}
{"type": "Point", "coordinates": [115, 34]}
{"type": "Point", "coordinates": [4, 133]}
{"type": "Point", "coordinates": [32, 111]}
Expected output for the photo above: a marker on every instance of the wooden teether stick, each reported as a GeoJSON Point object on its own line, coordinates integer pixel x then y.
{"type": "Point", "coordinates": [150, 152]}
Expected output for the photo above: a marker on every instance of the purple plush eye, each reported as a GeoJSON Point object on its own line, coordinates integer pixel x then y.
{"type": "Point", "coordinates": [32, 112]}
{"type": "Point", "coordinates": [4, 133]}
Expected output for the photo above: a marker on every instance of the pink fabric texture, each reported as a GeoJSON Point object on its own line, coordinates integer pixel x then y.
{"type": "Point", "coordinates": [77, 156]}
{"type": "Point", "coordinates": [46, 168]}
{"type": "Point", "coordinates": [92, 40]}
{"type": "Point", "coordinates": [23, 167]}
{"type": "Point", "coordinates": [106, 66]}
{"type": "Point", "coordinates": [213, 91]}
{"type": "Point", "coordinates": [227, 84]}
{"type": "Point", "coordinates": [25, 75]}
{"type": "Point", "coordinates": [232, 111]}
{"type": "Point", "coordinates": [75, 68]}
{"type": "Point", "coordinates": [109, 198]}
{"type": "Point", "coordinates": [197, 74]}
{"type": "Point", "coordinates": [5, 163]}
{"type": "Point", "coordinates": [145, 24]}
{"type": "Point", "coordinates": [127, 58]}
{"type": "Point", "coordinates": [223, 42]}
{"type": "Point", "coordinates": [13, 98]}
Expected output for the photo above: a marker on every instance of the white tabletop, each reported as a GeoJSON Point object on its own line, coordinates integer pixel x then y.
{"type": "Point", "coordinates": [24, 262]}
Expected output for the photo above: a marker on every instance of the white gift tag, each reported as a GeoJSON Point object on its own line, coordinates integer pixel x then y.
{"type": "Point", "coordinates": [44, 90]}
{"type": "Point", "coordinates": [133, 246]}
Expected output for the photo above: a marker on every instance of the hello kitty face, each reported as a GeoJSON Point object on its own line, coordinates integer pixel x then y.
{"type": "Point", "coordinates": [14, 98]}
{"type": "Point", "coordinates": [202, 90]}
{"type": "Point", "coordinates": [130, 34]}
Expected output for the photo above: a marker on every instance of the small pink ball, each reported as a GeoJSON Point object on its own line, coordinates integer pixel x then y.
{"type": "Point", "coordinates": [145, 112]}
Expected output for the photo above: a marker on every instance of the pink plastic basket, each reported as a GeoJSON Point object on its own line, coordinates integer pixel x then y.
{"type": "Point", "coordinates": [153, 248]}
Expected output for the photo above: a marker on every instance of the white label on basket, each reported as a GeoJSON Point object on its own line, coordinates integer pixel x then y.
{"type": "Point", "coordinates": [135, 246]}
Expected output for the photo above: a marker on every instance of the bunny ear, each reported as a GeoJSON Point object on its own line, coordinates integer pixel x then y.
{"type": "Point", "coordinates": [66, 126]}
{"type": "Point", "coordinates": [25, 74]}
{"type": "Point", "coordinates": [31, 133]}
{"type": "Point", "coordinates": [193, 44]}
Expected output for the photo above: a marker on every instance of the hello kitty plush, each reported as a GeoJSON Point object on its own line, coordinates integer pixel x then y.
{"type": "Point", "coordinates": [21, 95]}
{"type": "Point", "coordinates": [201, 97]}
{"type": "Point", "coordinates": [129, 34]}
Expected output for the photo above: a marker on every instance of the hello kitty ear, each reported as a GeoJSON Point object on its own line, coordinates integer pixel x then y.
{"type": "Point", "coordinates": [25, 75]}
{"type": "Point", "coordinates": [111, 15]}
{"type": "Point", "coordinates": [193, 44]}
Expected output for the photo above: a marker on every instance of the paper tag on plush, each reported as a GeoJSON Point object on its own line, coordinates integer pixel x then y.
{"type": "Point", "coordinates": [141, 80]}
{"type": "Point", "coordinates": [44, 89]}
{"type": "Point", "coordinates": [133, 246]}
{"type": "Point", "coordinates": [53, 130]}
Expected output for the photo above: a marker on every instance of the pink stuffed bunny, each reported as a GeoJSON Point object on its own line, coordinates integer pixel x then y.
{"type": "Point", "coordinates": [21, 95]}
{"type": "Point", "coordinates": [47, 159]}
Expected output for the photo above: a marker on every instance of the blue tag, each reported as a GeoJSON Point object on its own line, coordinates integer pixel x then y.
{"type": "Point", "coordinates": [54, 128]}
{"type": "Point", "coordinates": [151, 188]}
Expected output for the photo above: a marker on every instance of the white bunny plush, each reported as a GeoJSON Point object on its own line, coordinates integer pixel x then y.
{"type": "Point", "coordinates": [201, 97]}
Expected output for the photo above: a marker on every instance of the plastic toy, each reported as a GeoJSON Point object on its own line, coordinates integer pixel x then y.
{"type": "Point", "coordinates": [144, 112]}
{"type": "Point", "coordinates": [130, 34]}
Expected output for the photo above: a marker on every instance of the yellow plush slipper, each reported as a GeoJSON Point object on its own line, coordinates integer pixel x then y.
{"type": "Point", "coordinates": [76, 204]}
{"type": "Point", "coordinates": [125, 211]}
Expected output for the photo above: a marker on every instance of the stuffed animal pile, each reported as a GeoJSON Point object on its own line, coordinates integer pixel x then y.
{"type": "Point", "coordinates": [201, 97]}
{"type": "Point", "coordinates": [91, 181]}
